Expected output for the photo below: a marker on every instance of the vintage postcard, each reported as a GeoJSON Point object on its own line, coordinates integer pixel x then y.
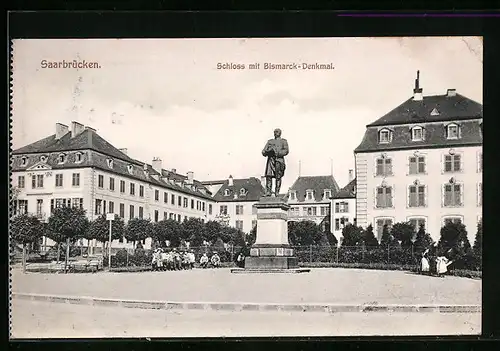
{"type": "Point", "coordinates": [246, 187]}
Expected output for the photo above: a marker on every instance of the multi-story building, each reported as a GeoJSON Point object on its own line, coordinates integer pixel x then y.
{"type": "Point", "coordinates": [78, 167]}
{"type": "Point", "coordinates": [344, 207]}
{"type": "Point", "coordinates": [235, 201]}
{"type": "Point", "coordinates": [309, 199]}
{"type": "Point", "coordinates": [422, 162]}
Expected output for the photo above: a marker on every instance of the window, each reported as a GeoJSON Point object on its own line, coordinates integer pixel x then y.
{"type": "Point", "coordinates": [104, 208]}
{"type": "Point", "coordinates": [480, 194]}
{"type": "Point", "coordinates": [384, 166]}
{"type": "Point", "coordinates": [122, 186]}
{"type": "Point", "coordinates": [78, 157]}
{"type": "Point", "coordinates": [39, 207]}
{"type": "Point", "coordinates": [59, 180]}
{"type": "Point", "coordinates": [111, 183]}
{"type": "Point", "coordinates": [156, 215]}
{"type": "Point", "coordinates": [239, 225]}
{"type": "Point", "coordinates": [323, 210]}
{"type": "Point", "coordinates": [157, 195]}
{"type": "Point", "coordinates": [227, 192]}
{"type": "Point", "coordinates": [122, 210]}
{"type": "Point", "coordinates": [98, 206]}
{"type": "Point", "coordinates": [141, 212]}
{"type": "Point", "coordinates": [20, 182]}
{"type": "Point", "coordinates": [100, 181]}
{"type": "Point", "coordinates": [24, 161]}
{"type": "Point", "coordinates": [132, 189]}
{"type": "Point", "coordinates": [141, 190]}
{"type": "Point", "coordinates": [131, 214]}
{"type": "Point", "coordinates": [179, 218]}
{"type": "Point", "coordinates": [417, 222]}
{"type": "Point", "coordinates": [341, 207]}
{"type": "Point", "coordinates": [165, 197]}
{"type": "Point", "coordinates": [111, 207]}
{"type": "Point", "coordinates": [179, 200]}
{"type": "Point", "coordinates": [309, 195]}
{"type": "Point", "coordinates": [417, 165]}
{"type": "Point", "coordinates": [23, 206]}
{"type": "Point", "coordinates": [172, 199]}
{"type": "Point", "coordinates": [185, 218]}
{"type": "Point", "coordinates": [209, 209]}
{"type": "Point", "coordinates": [452, 163]}
{"type": "Point", "coordinates": [172, 216]}
{"type": "Point", "coordinates": [380, 223]}
{"type": "Point", "coordinates": [310, 211]}
{"type": "Point", "coordinates": [61, 158]}
{"type": "Point", "coordinates": [77, 202]}
{"type": "Point", "coordinates": [384, 197]}
{"type": "Point", "coordinates": [293, 195]}
{"type": "Point", "coordinates": [223, 210]}
{"type": "Point", "coordinates": [130, 169]}
{"type": "Point", "coordinates": [239, 209]}
{"type": "Point", "coordinates": [337, 223]}
{"type": "Point", "coordinates": [254, 223]}
{"type": "Point", "coordinates": [243, 191]}
{"type": "Point", "coordinates": [327, 194]}
{"type": "Point", "coordinates": [453, 219]}
{"type": "Point", "coordinates": [165, 215]}
{"type": "Point", "coordinates": [452, 195]}
{"type": "Point", "coordinates": [110, 163]}
{"type": "Point", "coordinates": [37, 181]}
{"type": "Point", "coordinates": [43, 158]}
{"type": "Point", "coordinates": [203, 206]}
{"type": "Point", "coordinates": [416, 197]}
{"type": "Point", "coordinates": [417, 134]}
{"type": "Point", "coordinates": [192, 204]}
{"type": "Point", "coordinates": [385, 136]}
{"type": "Point", "coordinates": [452, 131]}
{"type": "Point", "coordinates": [185, 202]}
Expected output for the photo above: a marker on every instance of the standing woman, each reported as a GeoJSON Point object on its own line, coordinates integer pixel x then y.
{"type": "Point", "coordinates": [424, 265]}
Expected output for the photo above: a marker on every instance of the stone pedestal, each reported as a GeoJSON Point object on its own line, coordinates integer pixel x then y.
{"type": "Point", "coordinates": [271, 251]}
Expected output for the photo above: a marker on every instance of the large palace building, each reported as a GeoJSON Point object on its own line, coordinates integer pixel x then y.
{"type": "Point", "coordinates": [77, 167]}
{"type": "Point", "coordinates": [422, 162]}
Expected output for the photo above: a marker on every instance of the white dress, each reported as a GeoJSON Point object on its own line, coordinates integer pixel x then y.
{"type": "Point", "coordinates": [442, 265]}
{"type": "Point", "coordinates": [425, 265]}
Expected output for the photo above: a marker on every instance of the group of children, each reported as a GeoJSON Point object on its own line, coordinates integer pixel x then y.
{"type": "Point", "coordinates": [174, 260]}
{"type": "Point", "coordinates": [434, 265]}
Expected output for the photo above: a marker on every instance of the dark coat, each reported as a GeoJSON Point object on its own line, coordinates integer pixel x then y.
{"type": "Point", "coordinates": [275, 151]}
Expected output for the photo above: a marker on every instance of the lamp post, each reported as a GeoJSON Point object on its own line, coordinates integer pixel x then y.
{"type": "Point", "coordinates": [110, 217]}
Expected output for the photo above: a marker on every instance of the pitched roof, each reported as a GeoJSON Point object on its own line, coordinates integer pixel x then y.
{"type": "Point", "coordinates": [346, 192]}
{"type": "Point", "coordinates": [315, 183]}
{"type": "Point", "coordinates": [456, 107]}
{"type": "Point", "coordinates": [252, 186]}
{"type": "Point", "coordinates": [435, 136]}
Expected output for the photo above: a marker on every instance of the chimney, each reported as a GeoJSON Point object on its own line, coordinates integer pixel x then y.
{"type": "Point", "coordinates": [190, 179]}
{"type": "Point", "coordinates": [417, 92]}
{"type": "Point", "coordinates": [76, 128]}
{"type": "Point", "coordinates": [451, 92]}
{"type": "Point", "coordinates": [123, 151]}
{"type": "Point", "coordinates": [90, 128]}
{"type": "Point", "coordinates": [351, 175]}
{"type": "Point", "coordinates": [145, 167]}
{"type": "Point", "coordinates": [61, 130]}
{"type": "Point", "coordinates": [173, 170]}
{"type": "Point", "coordinates": [156, 164]}
{"type": "Point", "coordinates": [230, 180]}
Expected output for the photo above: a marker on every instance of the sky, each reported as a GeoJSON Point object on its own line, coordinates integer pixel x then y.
{"type": "Point", "coordinates": [167, 98]}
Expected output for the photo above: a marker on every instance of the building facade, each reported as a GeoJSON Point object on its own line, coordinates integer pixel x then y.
{"type": "Point", "coordinates": [78, 167]}
{"type": "Point", "coordinates": [236, 199]}
{"type": "Point", "coordinates": [343, 207]}
{"type": "Point", "coordinates": [422, 162]}
{"type": "Point", "coordinates": [309, 199]}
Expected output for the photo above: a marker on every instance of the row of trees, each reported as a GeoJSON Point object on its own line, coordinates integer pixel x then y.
{"type": "Point", "coordinates": [66, 225]}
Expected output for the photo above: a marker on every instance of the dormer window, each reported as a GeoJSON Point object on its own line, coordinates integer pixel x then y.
{"type": "Point", "coordinates": [384, 136]}
{"type": "Point", "coordinates": [78, 157]}
{"type": "Point", "coordinates": [309, 195]}
{"type": "Point", "coordinates": [452, 131]}
{"type": "Point", "coordinates": [24, 161]}
{"type": "Point", "coordinates": [327, 193]}
{"type": "Point", "coordinates": [435, 112]}
{"type": "Point", "coordinates": [227, 192]}
{"type": "Point", "coordinates": [43, 158]}
{"type": "Point", "coordinates": [417, 133]}
{"type": "Point", "coordinates": [243, 191]}
{"type": "Point", "coordinates": [110, 164]}
{"type": "Point", "coordinates": [293, 195]}
{"type": "Point", "coordinates": [61, 158]}
{"type": "Point", "coordinates": [130, 168]}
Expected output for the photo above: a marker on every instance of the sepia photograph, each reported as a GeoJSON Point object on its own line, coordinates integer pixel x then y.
{"type": "Point", "coordinates": [246, 187]}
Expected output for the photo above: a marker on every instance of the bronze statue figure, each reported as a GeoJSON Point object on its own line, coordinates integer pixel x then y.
{"type": "Point", "coordinates": [275, 150]}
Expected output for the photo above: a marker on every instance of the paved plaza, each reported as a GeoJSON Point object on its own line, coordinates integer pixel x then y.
{"type": "Point", "coordinates": [322, 285]}
{"type": "Point", "coordinates": [54, 320]}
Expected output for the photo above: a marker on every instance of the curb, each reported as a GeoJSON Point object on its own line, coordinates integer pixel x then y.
{"type": "Point", "coordinates": [224, 306]}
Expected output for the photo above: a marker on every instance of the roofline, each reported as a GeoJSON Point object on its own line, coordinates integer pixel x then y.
{"type": "Point", "coordinates": [446, 119]}
{"type": "Point", "coordinates": [235, 200]}
{"type": "Point", "coordinates": [418, 147]}
{"type": "Point", "coordinates": [343, 197]}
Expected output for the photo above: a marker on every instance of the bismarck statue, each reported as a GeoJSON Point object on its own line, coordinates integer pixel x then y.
{"type": "Point", "coordinates": [275, 150]}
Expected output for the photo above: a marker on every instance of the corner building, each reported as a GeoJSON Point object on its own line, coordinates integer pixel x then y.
{"type": "Point", "coordinates": [422, 162]}
{"type": "Point", "coordinates": [77, 167]}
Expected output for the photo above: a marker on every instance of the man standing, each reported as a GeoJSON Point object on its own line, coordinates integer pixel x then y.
{"type": "Point", "coordinates": [275, 150]}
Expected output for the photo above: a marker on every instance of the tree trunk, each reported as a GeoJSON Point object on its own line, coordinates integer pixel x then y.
{"type": "Point", "coordinates": [58, 252]}
{"type": "Point", "coordinates": [24, 257]}
{"type": "Point", "coordinates": [67, 256]}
